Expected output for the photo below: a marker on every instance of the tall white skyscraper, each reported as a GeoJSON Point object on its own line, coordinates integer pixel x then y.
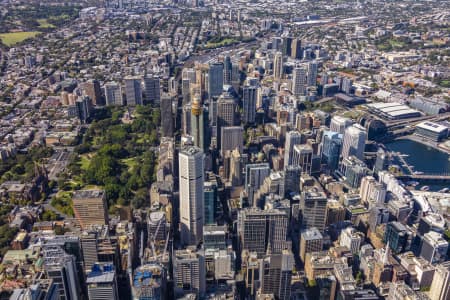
{"type": "Point", "coordinates": [191, 173]}
{"type": "Point", "coordinates": [339, 124]}
{"type": "Point", "coordinates": [292, 138]}
{"type": "Point", "coordinates": [278, 65]}
{"type": "Point", "coordinates": [354, 141]}
{"type": "Point", "coordinates": [299, 82]}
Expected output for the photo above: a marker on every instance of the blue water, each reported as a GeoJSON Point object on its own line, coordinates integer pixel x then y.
{"type": "Point", "coordinates": [424, 158]}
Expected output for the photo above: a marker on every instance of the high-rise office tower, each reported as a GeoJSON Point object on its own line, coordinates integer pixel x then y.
{"type": "Point", "coordinates": [287, 46]}
{"type": "Point", "coordinates": [299, 81]}
{"type": "Point", "coordinates": [311, 240]}
{"type": "Point", "coordinates": [292, 179]}
{"type": "Point", "coordinates": [398, 237]}
{"type": "Point", "coordinates": [263, 230]}
{"type": "Point", "coordinates": [354, 171]}
{"type": "Point", "coordinates": [166, 116]}
{"type": "Point", "coordinates": [313, 205]}
{"type": "Point", "coordinates": [215, 80]}
{"type": "Point", "coordinates": [188, 77]}
{"type": "Point", "coordinates": [335, 212]}
{"type": "Point", "coordinates": [302, 156]}
{"type": "Point", "coordinates": [377, 216]}
{"type": "Point", "coordinates": [372, 192]}
{"type": "Point", "coordinates": [93, 91]}
{"type": "Point", "coordinates": [157, 228]}
{"type": "Point", "coordinates": [89, 245]}
{"type": "Point", "coordinates": [276, 274]}
{"type": "Point", "coordinates": [331, 150]}
{"type": "Point", "coordinates": [340, 124]}
{"type": "Point", "coordinates": [226, 114]}
{"type": "Point", "coordinates": [189, 272]}
{"type": "Point", "coordinates": [210, 195]}
{"type": "Point", "coordinates": [278, 66]}
{"type": "Point", "coordinates": [235, 76]}
{"type": "Point", "coordinates": [186, 116]}
{"type": "Point", "coordinates": [232, 138]}
{"type": "Point", "coordinates": [102, 283]}
{"type": "Point", "coordinates": [113, 94]}
{"type": "Point", "coordinates": [382, 161]}
{"type": "Point", "coordinates": [237, 162]}
{"type": "Point", "coordinates": [296, 51]}
{"type": "Point", "coordinates": [352, 239]}
{"type": "Point", "coordinates": [133, 91]}
{"type": "Point", "coordinates": [292, 138]}
{"type": "Point", "coordinates": [354, 142]}
{"type": "Point", "coordinates": [277, 43]}
{"type": "Point", "coordinates": [152, 89]}
{"type": "Point", "coordinates": [347, 85]}
{"type": "Point", "coordinates": [61, 268]}
{"type": "Point", "coordinates": [226, 111]}
{"type": "Point", "coordinates": [440, 287]}
{"type": "Point", "coordinates": [249, 104]}
{"type": "Point", "coordinates": [90, 208]}
{"type": "Point", "coordinates": [312, 73]}
{"type": "Point", "coordinates": [434, 247]}
{"type": "Point", "coordinates": [303, 122]}
{"type": "Point", "coordinates": [191, 174]}
{"type": "Point", "coordinates": [227, 70]}
{"type": "Point", "coordinates": [254, 178]}
{"type": "Point", "coordinates": [84, 108]}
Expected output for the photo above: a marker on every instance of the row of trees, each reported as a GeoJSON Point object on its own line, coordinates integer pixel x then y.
{"type": "Point", "coordinates": [21, 166]}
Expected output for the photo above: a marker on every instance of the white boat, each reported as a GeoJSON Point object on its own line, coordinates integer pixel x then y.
{"type": "Point", "coordinates": [444, 190]}
{"type": "Point", "coordinates": [425, 188]}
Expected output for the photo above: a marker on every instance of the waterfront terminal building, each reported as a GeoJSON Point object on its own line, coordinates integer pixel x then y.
{"type": "Point", "coordinates": [432, 131]}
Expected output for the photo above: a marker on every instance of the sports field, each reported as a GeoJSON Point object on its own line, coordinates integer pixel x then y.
{"type": "Point", "coordinates": [12, 38]}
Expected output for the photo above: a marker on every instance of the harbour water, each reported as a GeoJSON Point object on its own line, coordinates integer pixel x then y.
{"type": "Point", "coordinates": [424, 158]}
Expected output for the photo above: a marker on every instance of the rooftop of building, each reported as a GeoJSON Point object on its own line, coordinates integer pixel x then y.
{"type": "Point", "coordinates": [431, 126]}
{"type": "Point", "coordinates": [101, 274]}
{"type": "Point", "coordinates": [83, 194]}
{"type": "Point", "coordinates": [147, 275]}
{"type": "Point", "coordinates": [311, 234]}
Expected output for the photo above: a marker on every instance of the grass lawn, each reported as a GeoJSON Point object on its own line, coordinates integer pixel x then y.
{"type": "Point", "coordinates": [43, 23]}
{"type": "Point", "coordinates": [12, 38]}
{"type": "Point", "coordinates": [130, 162]}
{"type": "Point", "coordinates": [91, 187]}
{"type": "Point", "coordinates": [396, 44]}
{"type": "Point", "coordinates": [351, 114]}
{"type": "Point", "coordinates": [224, 42]}
{"type": "Point", "coordinates": [85, 161]}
